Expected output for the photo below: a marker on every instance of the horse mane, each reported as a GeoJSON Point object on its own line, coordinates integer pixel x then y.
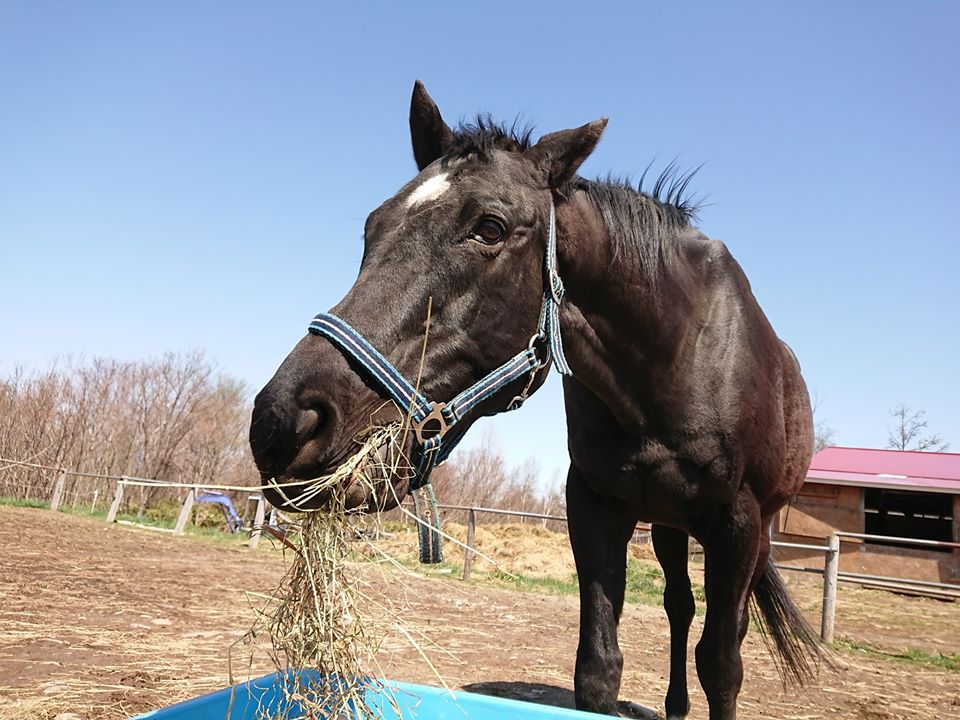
{"type": "Point", "coordinates": [640, 222]}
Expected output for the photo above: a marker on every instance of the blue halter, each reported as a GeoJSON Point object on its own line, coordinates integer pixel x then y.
{"type": "Point", "coordinates": [434, 423]}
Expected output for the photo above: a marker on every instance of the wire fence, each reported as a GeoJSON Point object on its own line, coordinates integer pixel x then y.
{"type": "Point", "coordinates": [96, 491]}
{"type": "Point", "coordinates": [829, 572]}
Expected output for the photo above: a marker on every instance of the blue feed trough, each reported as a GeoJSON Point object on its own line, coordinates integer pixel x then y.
{"type": "Point", "coordinates": [254, 700]}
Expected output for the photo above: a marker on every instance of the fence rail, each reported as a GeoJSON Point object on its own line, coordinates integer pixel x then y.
{"type": "Point", "coordinates": [193, 489]}
{"type": "Point", "coordinates": [830, 572]}
{"type": "Point", "coordinates": [498, 511]}
{"type": "Point", "coordinates": [905, 541]}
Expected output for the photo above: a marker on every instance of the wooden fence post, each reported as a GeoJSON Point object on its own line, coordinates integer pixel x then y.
{"type": "Point", "coordinates": [956, 536]}
{"type": "Point", "coordinates": [115, 505]}
{"type": "Point", "coordinates": [468, 552]}
{"type": "Point", "coordinates": [185, 511]}
{"type": "Point", "coordinates": [830, 569]}
{"type": "Point", "coordinates": [93, 505]}
{"type": "Point", "coordinates": [257, 528]}
{"type": "Point", "coordinates": [58, 490]}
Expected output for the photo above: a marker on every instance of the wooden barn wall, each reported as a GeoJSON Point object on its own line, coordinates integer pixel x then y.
{"type": "Point", "coordinates": [823, 509]}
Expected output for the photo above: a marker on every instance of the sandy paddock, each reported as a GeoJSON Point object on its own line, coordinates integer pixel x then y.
{"type": "Point", "coordinates": [108, 621]}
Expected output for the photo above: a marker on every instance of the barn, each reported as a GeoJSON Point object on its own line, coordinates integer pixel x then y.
{"type": "Point", "coordinates": [887, 495]}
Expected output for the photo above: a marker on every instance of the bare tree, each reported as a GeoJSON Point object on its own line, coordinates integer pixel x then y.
{"type": "Point", "coordinates": [481, 477]}
{"type": "Point", "coordinates": [822, 433]}
{"type": "Point", "coordinates": [908, 431]}
{"type": "Point", "coordinates": [822, 436]}
{"type": "Point", "coordinates": [171, 418]}
{"type": "Point", "coordinates": [177, 418]}
{"type": "Point", "coordinates": [478, 477]}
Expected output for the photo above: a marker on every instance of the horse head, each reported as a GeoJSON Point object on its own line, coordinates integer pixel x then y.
{"type": "Point", "coordinates": [452, 284]}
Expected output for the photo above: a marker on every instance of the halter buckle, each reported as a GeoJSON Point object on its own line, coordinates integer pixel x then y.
{"type": "Point", "coordinates": [425, 433]}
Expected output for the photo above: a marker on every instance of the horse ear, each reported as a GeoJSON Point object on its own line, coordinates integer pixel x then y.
{"type": "Point", "coordinates": [430, 134]}
{"type": "Point", "coordinates": [559, 154]}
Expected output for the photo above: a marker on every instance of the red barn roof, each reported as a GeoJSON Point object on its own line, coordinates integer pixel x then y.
{"type": "Point", "coordinates": [901, 469]}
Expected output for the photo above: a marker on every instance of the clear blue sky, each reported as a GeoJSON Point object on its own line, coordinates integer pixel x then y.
{"type": "Point", "coordinates": [178, 175]}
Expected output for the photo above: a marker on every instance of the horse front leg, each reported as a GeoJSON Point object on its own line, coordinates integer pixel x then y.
{"type": "Point", "coordinates": [730, 550]}
{"type": "Point", "coordinates": [599, 533]}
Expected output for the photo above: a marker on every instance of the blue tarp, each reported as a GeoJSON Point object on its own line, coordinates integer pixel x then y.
{"type": "Point", "coordinates": [233, 520]}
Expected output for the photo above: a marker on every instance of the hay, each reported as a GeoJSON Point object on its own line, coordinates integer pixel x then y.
{"type": "Point", "coordinates": [379, 455]}
{"type": "Point", "coordinates": [324, 631]}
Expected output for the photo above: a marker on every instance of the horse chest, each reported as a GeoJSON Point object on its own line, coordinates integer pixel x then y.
{"type": "Point", "coordinates": [659, 484]}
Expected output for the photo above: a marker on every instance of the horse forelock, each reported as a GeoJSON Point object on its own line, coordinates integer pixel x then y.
{"type": "Point", "coordinates": [484, 134]}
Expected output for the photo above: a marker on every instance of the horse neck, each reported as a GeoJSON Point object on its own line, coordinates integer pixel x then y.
{"type": "Point", "coordinates": [617, 324]}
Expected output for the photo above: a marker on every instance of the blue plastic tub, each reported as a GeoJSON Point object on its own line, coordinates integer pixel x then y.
{"type": "Point", "coordinates": [250, 699]}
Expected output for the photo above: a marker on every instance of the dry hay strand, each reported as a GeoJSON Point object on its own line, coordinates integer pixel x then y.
{"type": "Point", "coordinates": [320, 628]}
{"type": "Point", "coordinates": [324, 633]}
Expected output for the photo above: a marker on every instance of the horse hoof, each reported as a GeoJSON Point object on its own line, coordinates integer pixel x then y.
{"type": "Point", "coordinates": [637, 712]}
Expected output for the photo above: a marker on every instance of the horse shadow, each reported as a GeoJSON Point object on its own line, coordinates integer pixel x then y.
{"type": "Point", "coordinates": [552, 695]}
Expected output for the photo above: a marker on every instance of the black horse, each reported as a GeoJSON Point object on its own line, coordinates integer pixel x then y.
{"type": "Point", "coordinates": [684, 408]}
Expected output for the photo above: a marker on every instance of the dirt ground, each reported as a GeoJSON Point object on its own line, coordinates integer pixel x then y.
{"type": "Point", "coordinates": [106, 621]}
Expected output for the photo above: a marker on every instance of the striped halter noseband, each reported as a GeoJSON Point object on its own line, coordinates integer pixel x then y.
{"type": "Point", "coordinates": [435, 423]}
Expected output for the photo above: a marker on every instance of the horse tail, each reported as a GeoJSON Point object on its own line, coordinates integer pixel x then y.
{"type": "Point", "coordinates": [794, 645]}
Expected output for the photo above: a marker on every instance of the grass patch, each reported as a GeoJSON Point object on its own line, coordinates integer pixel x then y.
{"type": "Point", "coordinates": [191, 530]}
{"type": "Point", "coordinates": [921, 658]}
{"type": "Point", "coordinates": [644, 584]}
{"type": "Point", "coordinates": [150, 519]}
{"type": "Point", "coordinates": [533, 583]}
{"type": "Point", "coordinates": [17, 502]}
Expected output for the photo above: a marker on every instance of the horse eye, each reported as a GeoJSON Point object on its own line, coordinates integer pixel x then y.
{"type": "Point", "coordinates": [489, 232]}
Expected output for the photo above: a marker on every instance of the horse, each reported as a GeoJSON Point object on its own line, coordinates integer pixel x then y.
{"type": "Point", "coordinates": [683, 407]}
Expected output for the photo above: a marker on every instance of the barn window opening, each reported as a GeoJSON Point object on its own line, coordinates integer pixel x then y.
{"type": "Point", "coordinates": [901, 514]}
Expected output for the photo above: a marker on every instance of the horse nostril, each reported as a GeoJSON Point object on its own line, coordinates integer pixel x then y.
{"type": "Point", "coordinates": [307, 424]}
{"type": "Point", "coordinates": [267, 439]}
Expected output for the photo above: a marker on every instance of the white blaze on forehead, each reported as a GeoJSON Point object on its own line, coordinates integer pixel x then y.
{"type": "Point", "coordinates": [430, 189]}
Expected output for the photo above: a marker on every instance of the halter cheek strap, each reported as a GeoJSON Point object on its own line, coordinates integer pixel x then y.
{"type": "Point", "coordinates": [435, 423]}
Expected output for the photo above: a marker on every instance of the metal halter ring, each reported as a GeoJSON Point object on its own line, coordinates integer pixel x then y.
{"type": "Point", "coordinates": [532, 345]}
{"type": "Point", "coordinates": [436, 414]}
{"type": "Point", "coordinates": [520, 399]}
